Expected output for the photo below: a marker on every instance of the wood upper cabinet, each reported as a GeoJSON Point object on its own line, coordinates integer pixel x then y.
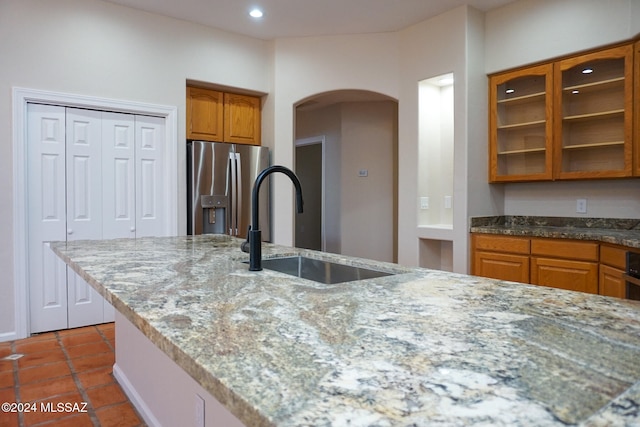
{"type": "Point", "coordinates": [520, 125]}
{"type": "Point", "coordinates": [204, 114]}
{"type": "Point", "coordinates": [568, 119]}
{"type": "Point", "coordinates": [593, 114]}
{"type": "Point", "coordinates": [223, 117]}
{"type": "Point", "coordinates": [241, 119]}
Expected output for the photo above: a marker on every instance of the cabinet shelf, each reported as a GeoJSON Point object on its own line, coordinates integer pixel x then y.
{"type": "Point", "coordinates": [523, 99]}
{"type": "Point", "coordinates": [598, 115]}
{"type": "Point", "coordinates": [525, 125]}
{"type": "Point", "coordinates": [522, 151]}
{"type": "Point", "coordinates": [593, 145]}
{"type": "Point", "coordinates": [600, 85]}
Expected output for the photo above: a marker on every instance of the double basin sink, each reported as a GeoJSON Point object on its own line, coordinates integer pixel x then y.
{"type": "Point", "coordinates": [320, 271]}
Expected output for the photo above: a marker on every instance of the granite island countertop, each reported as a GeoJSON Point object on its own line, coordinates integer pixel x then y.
{"type": "Point", "coordinates": [422, 347]}
{"type": "Point", "coordinates": [625, 232]}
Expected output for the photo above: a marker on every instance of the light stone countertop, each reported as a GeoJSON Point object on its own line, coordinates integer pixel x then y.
{"type": "Point", "coordinates": [422, 347]}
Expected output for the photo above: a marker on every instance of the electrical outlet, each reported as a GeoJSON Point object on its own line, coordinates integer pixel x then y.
{"type": "Point", "coordinates": [424, 203]}
{"type": "Point", "coordinates": [581, 206]}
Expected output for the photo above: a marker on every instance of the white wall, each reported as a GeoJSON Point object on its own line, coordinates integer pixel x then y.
{"type": "Point", "coordinates": [90, 47]}
{"type": "Point", "coordinates": [311, 65]}
{"type": "Point", "coordinates": [438, 46]}
{"type": "Point", "coordinates": [536, 30]}
{"type": "Point", "coordinates": [369, 139]}
{"type": "Point", "coordinates": [327, 122]}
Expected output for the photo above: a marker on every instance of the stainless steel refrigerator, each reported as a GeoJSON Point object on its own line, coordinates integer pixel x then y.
{"type": "Point", "coordinates": [220, 179]}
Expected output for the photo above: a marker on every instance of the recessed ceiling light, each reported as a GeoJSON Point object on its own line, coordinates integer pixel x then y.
{"type": "Point", "coordinates": [256, 13]}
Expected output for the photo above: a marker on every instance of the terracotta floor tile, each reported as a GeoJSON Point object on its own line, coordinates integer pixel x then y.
{"type": "Point", "coordinates": [96, 377]}
{"type": "Point", "coordinates": [110, 334]}
{"type": "Point", "coordinates": [7, 395]}
{"type": "Point", "coordinates": [122, 415]}
{"type": "Point", "coordinates": [95, 361]}
{"type": "Point", "coordinates": [43, 372]}
{"type": "Point", "coordinates": [6, 365]}
{"type": "Point", "coordinates": [9, 419]}
{"type": "Point", "coordinates": [6, 379]}
{"type": "Point", "coordinates": [81, 337]}
{"type": "Point", "coordinates": [78, 420]}
{"type": "Point", "coordinates": [37, 346]}
{"type": "Point", "coordinates": [47, 410]}
{"type": "Point", "coordinates": [41, 358]}
{"type": "Point", "coordinates": [5, 350]}
{"type": "Point", "coordinates": [106, 395]}
{"type": "Point", "coordinates": [76, 331]}
{"type": "Point", "coordinates": [47, 389]}
{"type": "Point", "coordinates": [88, 349]}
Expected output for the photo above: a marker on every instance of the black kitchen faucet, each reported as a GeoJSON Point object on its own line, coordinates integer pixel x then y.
{"type": "Point", "coordinates": [253, 245]}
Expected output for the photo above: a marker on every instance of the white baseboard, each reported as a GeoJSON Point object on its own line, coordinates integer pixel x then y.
{"type": "Point", "coordinates": [9, 336]}
{"type": "Point", "coordinates": [135, 398]}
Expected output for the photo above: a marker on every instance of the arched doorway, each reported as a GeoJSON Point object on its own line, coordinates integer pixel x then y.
{"type": "Point", "coordinates": [346, 151]}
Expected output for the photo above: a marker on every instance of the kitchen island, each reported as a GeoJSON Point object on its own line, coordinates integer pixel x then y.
{"type": "Point", "coordinates": [420, 347]}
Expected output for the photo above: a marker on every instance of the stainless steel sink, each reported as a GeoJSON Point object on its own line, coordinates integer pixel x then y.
{"type": "Point", "coordinates": [319, 270]}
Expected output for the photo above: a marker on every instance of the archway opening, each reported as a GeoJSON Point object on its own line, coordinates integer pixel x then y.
{"type": "Point", "coordinates": [346, 156]}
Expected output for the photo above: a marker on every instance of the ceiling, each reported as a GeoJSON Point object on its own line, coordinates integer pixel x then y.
{"type": "Point", "coordinates": [299, 18]}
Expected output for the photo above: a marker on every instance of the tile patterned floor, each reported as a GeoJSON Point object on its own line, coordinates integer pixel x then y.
{"type": "Point", "coordinates": [66, 378]}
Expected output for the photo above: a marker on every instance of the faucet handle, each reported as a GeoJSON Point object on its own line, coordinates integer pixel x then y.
{"type": "Point", "coordinates": [244, 246]}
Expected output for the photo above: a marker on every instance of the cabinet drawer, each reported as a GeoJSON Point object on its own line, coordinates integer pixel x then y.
{"type": "Point", "coordinates": [514, 245]}
{"type": "Point", "coordinates": [568, 249]}
{"type": "Point", "coordinates": [613, 256]}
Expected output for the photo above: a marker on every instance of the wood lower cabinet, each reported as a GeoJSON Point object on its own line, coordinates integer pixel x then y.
{"type": "Point", "coordinates": [612, 267]}
{"type": "Point", "coordinates": [501, 257]}
{"type": "Point", "coordinates": [565, 274]}
{"type": "Point", "coordinates": [514, 268]}
{"type": "Point", "coordinates": [223, 117]}
{"type": "Point", "coordinates": [565, 264]}
{"type": "Point", "coordinates": [611, 283]}
{"type": "Point", "coordinates": [575, 265]}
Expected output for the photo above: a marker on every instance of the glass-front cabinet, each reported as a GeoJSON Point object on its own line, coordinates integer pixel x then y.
{"type": "Point", "coordinates": [567, 119]}
{"type": "Point", "coordinates": [521, 125]}
{"type": "Point", "coordinates": [593, 115]}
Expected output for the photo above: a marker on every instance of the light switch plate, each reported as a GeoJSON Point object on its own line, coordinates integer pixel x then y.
{"type": "Point", "coordinates": [424, 203]}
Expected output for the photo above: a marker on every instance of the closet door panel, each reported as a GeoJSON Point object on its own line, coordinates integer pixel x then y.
{"type": "Point", "coordinates": [84, 174]}
{"type": "Point", "coordinates": [84, 207]}
{"type": "Point", "coordinates": [150, 178]}
{"type": "Point", "coordinates": [118, 175]}
{"type": "Point", "coordinates": [46, 216]}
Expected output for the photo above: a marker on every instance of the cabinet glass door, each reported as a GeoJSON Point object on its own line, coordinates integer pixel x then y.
{"type": "Point", "coordinates": [521, 125]}
{"type": "Point", "coordinates": [593, 133]}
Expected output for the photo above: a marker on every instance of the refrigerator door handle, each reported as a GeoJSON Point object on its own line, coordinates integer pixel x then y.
{"type": "Point", "coordinates": [240, 193]}
{"type": "Point", "coordinates": [233, 220]}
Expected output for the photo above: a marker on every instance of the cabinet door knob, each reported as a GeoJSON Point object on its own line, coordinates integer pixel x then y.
{"type": "Point", "coordinates": [69, 231]}
{"type": "Point", "coordinates": [133, 229]}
